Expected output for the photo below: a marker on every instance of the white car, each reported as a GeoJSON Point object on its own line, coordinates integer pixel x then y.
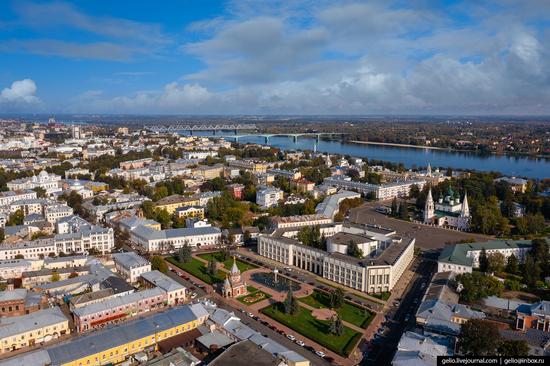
{"type": "Point", "coordinates": [251, 315]}
{"type": "Point", "coordinates": [291, 337]}
{"type": "Point", "coordinates": [320, 354]}
{"type": "Point", "coordinates": [407, 317]}
{"type": "Point", "coordinates": [300, 343]}
{"type": "Point", "coordinates": [193, 295]}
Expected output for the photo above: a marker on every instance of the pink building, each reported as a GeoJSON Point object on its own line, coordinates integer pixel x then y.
{"type": "Point", "coordinates": [114, 310]}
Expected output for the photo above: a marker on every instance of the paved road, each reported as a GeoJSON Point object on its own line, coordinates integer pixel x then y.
{"type": "Point", "coordinates": [383, 347]}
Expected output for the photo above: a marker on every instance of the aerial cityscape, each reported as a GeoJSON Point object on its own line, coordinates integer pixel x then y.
{"type": "Point", "coordinates": [272, 183]}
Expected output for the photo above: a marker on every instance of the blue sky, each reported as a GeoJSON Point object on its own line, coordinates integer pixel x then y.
{"type": "Point", "coordinates": [271, 57]}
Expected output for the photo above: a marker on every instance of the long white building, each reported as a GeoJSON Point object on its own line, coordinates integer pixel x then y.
{"type": "Point", "coordinates": [8, 197]}
{"type": "Point", "coordinates": [49, 182]}
{"type": "Point", "coordinates": [381, 191]}
{"type": "Point", "coordinates": [172, 239]}
{"type": "Point", "coordinates": [463, 258]}
{"type": "Point", "coordinates": [386, 257]}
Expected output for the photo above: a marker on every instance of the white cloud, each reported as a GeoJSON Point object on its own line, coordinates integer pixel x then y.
{"type": "Point", "coordinates": [20, 94]}
{"type": "Point", "coordinates": [322, 57]}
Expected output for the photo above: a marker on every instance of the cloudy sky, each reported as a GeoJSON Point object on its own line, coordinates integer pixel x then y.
{"type": "Point", "coordinates": [270, 57]}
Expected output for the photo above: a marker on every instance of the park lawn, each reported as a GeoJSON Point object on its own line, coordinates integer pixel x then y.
{"type": "Point", "coordinates": [253, 293]}
{"type": "Point", "coordinates": [314, 329]}
{"type": "Point", "coordinates": [349, 312]}
{"type": "Point", "coordinates": [251, 289]}
{"type": "Point", "coordinates": [227, 264]}
{"type": "Point", "coordinates": [198, 269]}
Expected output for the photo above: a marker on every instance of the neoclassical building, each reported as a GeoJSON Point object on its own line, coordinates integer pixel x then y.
{"type": "Point", "coordinates": [234, 286]}
{"type": "Point", "coordinates": [448, 211]}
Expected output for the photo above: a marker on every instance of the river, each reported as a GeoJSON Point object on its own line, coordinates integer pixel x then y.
{"type": "Point", "coordinates": [508, 165]}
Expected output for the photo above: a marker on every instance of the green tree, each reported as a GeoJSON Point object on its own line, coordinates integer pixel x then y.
{"type": "Point", "coordinates": [158, 263]}
{"type": "Point", "coordinates": [531, 271]}
{"type": "Point", "coordinates": [512, 264]}
{"type": "Point", "coordinates": [184, 254]}
{"type": "Point", "coordinates": [310, 236]}
{"type": "Point", "coordinates": [16, 218]}
{"type": "Point", "coordinates": [354, 250]}
{"type": "Point", "coordinates": [164, 218]}
{"type": "Point", "coordinates": [212, 267]}
{"type": "Point", "coordinates": [477, 285]}
{"type": "Point", "coordinates": [290, 303]}
{"type": "Point", "coordinates": [148, 208]}
{"type": "Point", "coordinates": [337, 298]}
{"type": "Point", "coordinates": [394, 207]}
{"type": "Point", "coordinates": [496, 262]}
{"type": "Point", "coordinates": [414, 191]}
{"type": "Point", "coordinates": [478, 338]}
{"type": "Point", "coordinates": [483, 261]}
{"type": "Point", "coordinates": [403, 210]}
{"type": "Point", "coordinates": [55, 277]}
{"type": "Point", "coordinates": [336, 327]}
{"type": "Point", "coordinates": [513, 348]}
{"type": "Point", "coordinates": [40, 192]}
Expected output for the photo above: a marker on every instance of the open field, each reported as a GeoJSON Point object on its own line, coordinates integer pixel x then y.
{"type": "Point", "coordinates": [314, 329]}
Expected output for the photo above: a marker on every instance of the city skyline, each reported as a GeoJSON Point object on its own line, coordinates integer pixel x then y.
{"type": "Point", "coordinates": [345, 58]}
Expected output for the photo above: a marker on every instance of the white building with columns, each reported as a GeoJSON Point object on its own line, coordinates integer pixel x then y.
{"type": "Point", "coordinates": [385, 260]}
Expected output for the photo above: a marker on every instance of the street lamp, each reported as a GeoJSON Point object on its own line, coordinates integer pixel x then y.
{"type": "Point", "coordinates": [275, 272]}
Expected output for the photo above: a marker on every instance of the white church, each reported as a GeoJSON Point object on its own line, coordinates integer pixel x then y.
{"type": "Point", "coordinates": [448, 211]}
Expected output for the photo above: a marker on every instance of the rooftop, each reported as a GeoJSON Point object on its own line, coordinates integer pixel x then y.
{"type": "Point", "coordinates": [130, 260]}
{"type": "Point", "coordinates": [458, 253]}
{"type": "Point", "coordinates": [15, 325]}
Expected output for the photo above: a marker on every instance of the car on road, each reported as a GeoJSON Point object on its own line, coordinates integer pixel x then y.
{"type": "Point", "coordinates": [192, 288]}
{"type": "Point", "coordinates": [407, 317]}
{"type": "Point", "coordinates": [193, 295]}
{"type": "Point", "coordinates": [288, 269]}
{"type": "Point", "coordinates": [243, 311]}
{"type": "Point", "coordinates": [320, 354]}
{"type": "Point", "coordinates": [251, 315]}
{"type": "Point", "coordinates": [300, 343]}
{"type": "Point", "coordinates": [291, 337]}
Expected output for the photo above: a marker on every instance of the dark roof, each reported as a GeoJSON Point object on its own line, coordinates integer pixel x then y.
{"type": "Point", "coordinates": [245, 353]}
{"type": "Point", "coordinates": [117, 284]}
{"type": "Point", "coordinates": [182, 339]}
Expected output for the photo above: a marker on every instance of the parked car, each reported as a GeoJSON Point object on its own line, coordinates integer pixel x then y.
{"type": "Point", "coordinates": [407, 317]}
{"type": "Point", "coordinates": [320, 354]}
{"type": "Point", "coordinates": [300, 343]}
{"type": "Point", "coordinates": [193, 295]}
{"type": "Point", "coordinates": [291, 337]}
{"type": "Point", "coordinates": [251, 315]}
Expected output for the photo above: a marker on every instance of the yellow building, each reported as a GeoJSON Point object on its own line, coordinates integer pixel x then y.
{"type": "Point", "coordinates": [32, 329]}
{"type": "Point", "coordinates": [208, 172]}
{"type": "Point", "coordinates": [175, 201]}
{"type": "Point", "coordinates": [191, 211]}
{"type": "Point", "coordinates": [97, 186]}
{"type": "Point", "coordinates": [114, 345]}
